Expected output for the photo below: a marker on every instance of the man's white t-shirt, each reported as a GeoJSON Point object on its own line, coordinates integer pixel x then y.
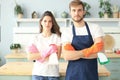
{"type": "Point", "coordinates": [44, 69]}
{"type": "Point", "coordinates": [95, 30]}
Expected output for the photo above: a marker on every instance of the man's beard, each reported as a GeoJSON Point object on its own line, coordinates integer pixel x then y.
{"type": "Point", "coordinates": [78, 20]}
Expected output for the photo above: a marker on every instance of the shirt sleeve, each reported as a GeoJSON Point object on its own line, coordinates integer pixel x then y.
{"type": "Point", "coordinates": [66, 35]}
{"type": "Point", "coordinates": [58, 41]}
{"type": "Point", "coordinates": [96, 31]}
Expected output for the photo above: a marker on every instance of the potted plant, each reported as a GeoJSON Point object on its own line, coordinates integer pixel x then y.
{"type": "Point", "coordinates": [105, 7]}
{"type": "Point", "coordinates": [18, 11]}
{"type": "Point", "coordinates": [115, 11]}
{"type": "Point", "coordinates": [87, 8]}
{"type": "Point", "coordinates": [64, 14]}
{"type": "Point", "coordinates": [15, 47]}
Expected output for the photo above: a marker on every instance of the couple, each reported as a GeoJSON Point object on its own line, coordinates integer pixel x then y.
{"type": "Point", "coordinates": [78, 44]}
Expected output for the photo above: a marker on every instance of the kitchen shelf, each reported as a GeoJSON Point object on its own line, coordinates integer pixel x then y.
{"type": "Point", "coordinates": [67, 21]}
{"type": "Point", "coordinates": [29, 20]}
{"type": "Point", "coordinates": [64, 19]}
{"type": "Point", "coordinates": [103, 19]}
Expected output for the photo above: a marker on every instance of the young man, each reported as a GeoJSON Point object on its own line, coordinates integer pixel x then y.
{"type": "Point", "coordinates": [81, 45]}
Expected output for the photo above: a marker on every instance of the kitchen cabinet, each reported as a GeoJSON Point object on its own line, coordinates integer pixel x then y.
{"type": "Point", "coordinates": [114, 66]}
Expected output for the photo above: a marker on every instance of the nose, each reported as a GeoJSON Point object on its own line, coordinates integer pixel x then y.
{"type": "Point", "coordinates": [76, 12]}
{"type": "Point", "coordinates": [47, 23]}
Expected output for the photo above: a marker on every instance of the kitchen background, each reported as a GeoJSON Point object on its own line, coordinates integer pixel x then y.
{"type": "Point", "coordinates": [8, 18]}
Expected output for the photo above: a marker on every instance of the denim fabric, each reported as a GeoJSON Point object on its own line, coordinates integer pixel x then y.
{"type": "Point", "coordinates": [34, 77]}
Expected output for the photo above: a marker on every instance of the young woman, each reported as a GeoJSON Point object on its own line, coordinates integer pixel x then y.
{"type": "Point", "coordinates": [42, 46]}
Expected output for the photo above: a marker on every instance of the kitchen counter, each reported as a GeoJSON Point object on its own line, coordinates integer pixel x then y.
{"type": "Point", "coordinates": [24, 55]}
{"type": "Point", "coordinates": [112, 55]}
{"type": "Point", "coordinates": [16, 55]}
{"type": "Point", "coordinates": [24, 69]}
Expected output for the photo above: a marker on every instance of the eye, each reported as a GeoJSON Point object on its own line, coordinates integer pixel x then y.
{"type": "Point", "coordinates": [73, 10]}
{"type": "Point", "coordinates": [45, 21]}
{"type": "Point", "coordinates": [80, 10]}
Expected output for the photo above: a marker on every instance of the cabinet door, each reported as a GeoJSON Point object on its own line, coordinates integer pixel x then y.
{"type": "Point", "coordinates": [113, 67]}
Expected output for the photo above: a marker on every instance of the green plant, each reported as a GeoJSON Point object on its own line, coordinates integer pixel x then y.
{"type": "Point", "coordinates": [105, 7]}
{"type": "Point", "coordinates": [115, 8]}
{"type": "Point", "coordinates": [15, 46]}
{"type": "Point", "coordinates": [18, 9]}
{"type": "Point", "coordinates": [87, 8]}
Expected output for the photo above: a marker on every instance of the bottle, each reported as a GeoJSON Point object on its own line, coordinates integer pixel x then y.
{"type": "Point", "coordinates": [53, 59]}
{"type": "Point", "coordinates": [102, 58]}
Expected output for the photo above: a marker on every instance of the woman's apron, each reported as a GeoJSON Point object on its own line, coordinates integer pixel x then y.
{"type": "Point", "coordinates": [82, 69]}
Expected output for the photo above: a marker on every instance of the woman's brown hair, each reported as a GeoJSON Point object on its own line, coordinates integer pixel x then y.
{"type": "Point", "coordinates": [55, 26]}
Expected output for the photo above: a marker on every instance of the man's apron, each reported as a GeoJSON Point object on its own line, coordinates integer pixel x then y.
{"type": "Point", "coordinates": [82, 69]}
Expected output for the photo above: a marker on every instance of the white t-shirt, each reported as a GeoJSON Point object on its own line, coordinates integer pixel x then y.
{"type": "Point", "coordinates": [44, 69]}
{"type": "Point", "coordinates": [95, 31]}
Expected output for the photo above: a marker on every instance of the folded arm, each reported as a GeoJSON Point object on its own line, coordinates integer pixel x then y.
{"type": "Point", "coordinates": [42, 55]}
{"type": "Point", "coordinates": [88, 53]}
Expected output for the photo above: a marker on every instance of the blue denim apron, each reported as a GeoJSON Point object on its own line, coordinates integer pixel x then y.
{"type": "Point", "coordinates": [82, 69]}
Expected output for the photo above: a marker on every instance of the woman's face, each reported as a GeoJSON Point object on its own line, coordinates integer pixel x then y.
{"type": "Point", "coordinates": [47, 23]}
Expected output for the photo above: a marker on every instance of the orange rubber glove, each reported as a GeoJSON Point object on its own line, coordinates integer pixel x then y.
{"type": "Point", "coordinates": [93, 49]}
{"type": "Point", "coordinates": [69, 47]}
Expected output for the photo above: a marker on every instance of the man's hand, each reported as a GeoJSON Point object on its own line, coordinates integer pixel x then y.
{"type": "Point", "coordinates": [68, 46]}
{"type": "Point", "coordinates": [93, 49]}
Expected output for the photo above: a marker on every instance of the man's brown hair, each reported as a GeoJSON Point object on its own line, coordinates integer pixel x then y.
{"type": "Point", "coordinates": [76, 3]}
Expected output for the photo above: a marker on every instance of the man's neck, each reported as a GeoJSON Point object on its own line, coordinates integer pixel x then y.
{"type": "Point", "coordinates": [79, 24]}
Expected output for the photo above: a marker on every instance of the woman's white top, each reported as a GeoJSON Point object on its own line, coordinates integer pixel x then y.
{"type": "Point", "coordinates": [44, 69]}
{"type": "Point", "coordinates": [96, 31]}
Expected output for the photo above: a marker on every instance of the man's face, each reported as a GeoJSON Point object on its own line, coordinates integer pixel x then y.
{"type": "Point", "coordinates": [77, 13]}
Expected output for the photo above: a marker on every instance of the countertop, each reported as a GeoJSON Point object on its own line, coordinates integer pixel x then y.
{"type": "Point", "coordinates": [24, 55]}
{"type": "Point", "coordinates": [112, 55]}
{"type": "Point", "coordinates": [25, 69]}
{"type": "Point", "coordinates": [16, 55]}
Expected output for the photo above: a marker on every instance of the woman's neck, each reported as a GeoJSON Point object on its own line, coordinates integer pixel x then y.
{"type": "Point", "coordinates": [46, 33]}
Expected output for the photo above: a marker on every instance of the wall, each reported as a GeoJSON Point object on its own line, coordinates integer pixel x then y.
{"type": "Point", "coordinates": [8, 19]}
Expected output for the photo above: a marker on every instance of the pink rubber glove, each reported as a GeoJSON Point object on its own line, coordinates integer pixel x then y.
{"type": "Point", "coordinates": [33, 49]}
{"type": "Point", "coordinates": [52, 49]}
